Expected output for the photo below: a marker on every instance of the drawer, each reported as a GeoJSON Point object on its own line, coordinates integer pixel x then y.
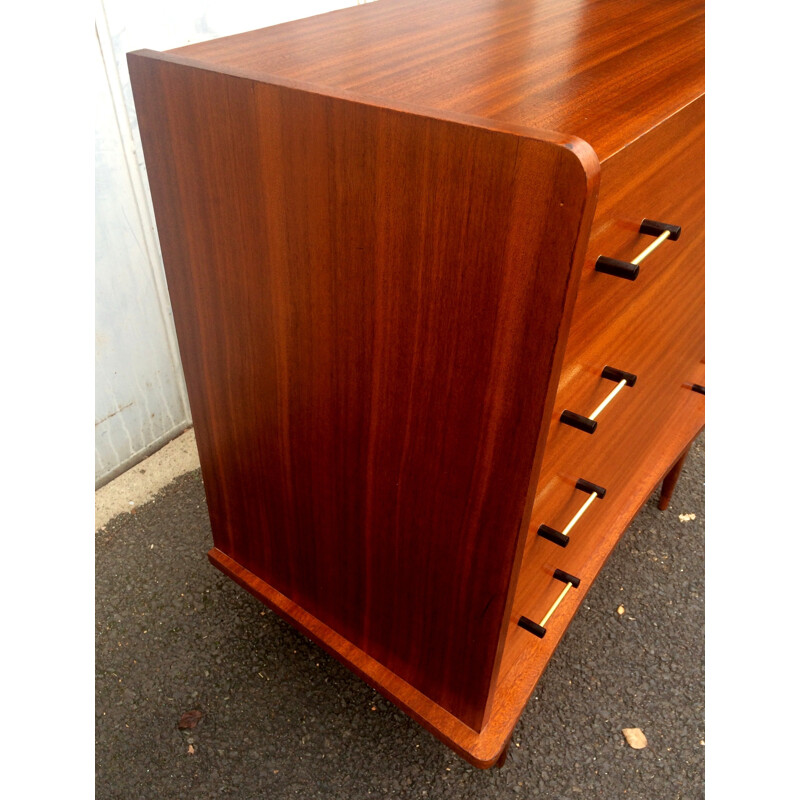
{"type": "Point", "coordinates": [658, 177]}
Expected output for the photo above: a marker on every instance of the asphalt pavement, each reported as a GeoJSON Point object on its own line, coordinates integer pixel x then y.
{"type": "Point", "coordinates": [279, 718]}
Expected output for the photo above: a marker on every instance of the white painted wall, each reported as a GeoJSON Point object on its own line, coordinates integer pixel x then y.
{"type": "Point", "coordinates": [140, 397]}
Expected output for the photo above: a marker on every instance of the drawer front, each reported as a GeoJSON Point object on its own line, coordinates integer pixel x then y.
{"type": "Point", "coordinates": [658, 177]}
{"type": "Point", "coordinates": [652, 327]}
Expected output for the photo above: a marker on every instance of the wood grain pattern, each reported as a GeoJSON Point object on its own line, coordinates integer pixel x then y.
{"type": "Point", "coordinates": [520, 675]}
{"type": "Point", "coordinates": [660, 176]}
{"type": "Point", "coordinates": [606, 71]}
{"type": "Point", "coordinates": [366, 302]}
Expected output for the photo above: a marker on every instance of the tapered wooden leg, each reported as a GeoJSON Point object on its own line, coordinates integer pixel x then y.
{"type": "Point", "coordinates": [502, 760]}
{"type": "Point", "coordinates": [670, 479]}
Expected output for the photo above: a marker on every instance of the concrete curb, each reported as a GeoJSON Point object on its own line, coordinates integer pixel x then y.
{"type": "Point", "coordinates": [142, 482]}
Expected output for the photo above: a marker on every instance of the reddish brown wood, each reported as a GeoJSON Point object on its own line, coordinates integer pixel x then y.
{"type": "Point", "coordinates": [604, 70]}
{"type": "Point", "coordinates": [380, 256]}
{"type": "Point", "coordinates": [366, 302]}
{"type": "Point", "coordinates": [670, 480]}
{"type": "Point", "coordinates": [520, 675]}
{"type": "Point", "coordinates": [660, 176]}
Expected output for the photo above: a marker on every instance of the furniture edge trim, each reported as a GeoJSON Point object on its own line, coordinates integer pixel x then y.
{"type": "Point", "coordinates": [701, 96]}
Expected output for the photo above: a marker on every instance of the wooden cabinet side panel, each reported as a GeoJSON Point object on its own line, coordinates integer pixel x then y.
{"type": "Point", "coordinates": [368, 305]}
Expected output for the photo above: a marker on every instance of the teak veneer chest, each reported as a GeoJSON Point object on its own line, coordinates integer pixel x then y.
{"type": "Point", "coordinates": [403, 243]}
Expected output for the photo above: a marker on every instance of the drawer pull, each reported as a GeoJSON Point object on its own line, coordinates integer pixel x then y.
{"type": "Point", "coordinates": [630, 269]}
{"type": "Point", "coordinates": [552, 535]}
{"type": "Point", "coordinates": [650, 227]}
{"type": "Point", "coordinates": [617, 268]}
{"type": "Point", "coordinates": [589, 488]}
{"type": "Point", "coordinates": [578, 421]}
{"type": "Point", "coordinates": [613, 374]}
{"type": "Point", "coordinates": [589, 424]}
{"type": "Point", "coordinates": [561, 538]}
{"type": "Point", "coordinates": [539, 629]}
{"type": "Point", "coordinates": [696, 387]}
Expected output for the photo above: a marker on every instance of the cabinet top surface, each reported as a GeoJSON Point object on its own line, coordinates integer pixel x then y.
{"type": "Point", "coordinates": [603, 70]}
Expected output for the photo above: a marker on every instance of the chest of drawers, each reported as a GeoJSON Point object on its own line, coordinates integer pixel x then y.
{"type": "Point", "coordinates": [431, 374]}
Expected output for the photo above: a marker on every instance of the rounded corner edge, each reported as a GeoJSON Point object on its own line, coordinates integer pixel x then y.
{"type": "Point", "coordinates": [587, 160]}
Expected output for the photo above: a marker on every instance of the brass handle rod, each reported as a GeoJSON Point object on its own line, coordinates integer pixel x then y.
{"type": "Point", "coordinates": [630, 269]}
{"type": "Point", "coordinates": [556, 604]}
{"type": "Point", "coordinates": [612, 394]}
{"type": "Point", "coordinates": [561, 538]}
{"type": "Point", "coordinates": [579, 514]}
{"type": "Point", "coordinates": [589, 424]}
{"type": "Point", "coordinates": [649, 249]}
{"type": "Point", "coordinates": [538, 629]}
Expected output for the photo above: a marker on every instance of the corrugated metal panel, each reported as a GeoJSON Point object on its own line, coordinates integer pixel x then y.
{"type": "Point", "coordinates": [139, 394]}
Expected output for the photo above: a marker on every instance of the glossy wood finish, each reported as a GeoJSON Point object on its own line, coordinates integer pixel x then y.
{"type": "Point", "coordinates": [663, 174]}
{"type": "Point", "coordinates": [606, 71]}
{"type": "Point", "coordinates": [366, 302]}
{"type": "Point", "coordinates": [374, 239]}
{"type": "Point", "coordinates": [520, 674]}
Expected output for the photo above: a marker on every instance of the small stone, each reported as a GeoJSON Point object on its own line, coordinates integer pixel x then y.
{"type": "Point", "coordinates": [189, 720]}
{"type": "Point", "coordinates": [635, 738]}
{"type": "Point", "coordinates": [620, 610]}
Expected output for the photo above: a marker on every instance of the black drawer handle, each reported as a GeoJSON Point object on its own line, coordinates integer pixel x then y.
{"type": "Point", "coordinates": [630, 269]}
{"type": "Point", "coordinates": [561, 538]}
{"type": "Point", "coordinates": [589, 424]}
{"type": "Point", "coordinates": [538, 629]}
